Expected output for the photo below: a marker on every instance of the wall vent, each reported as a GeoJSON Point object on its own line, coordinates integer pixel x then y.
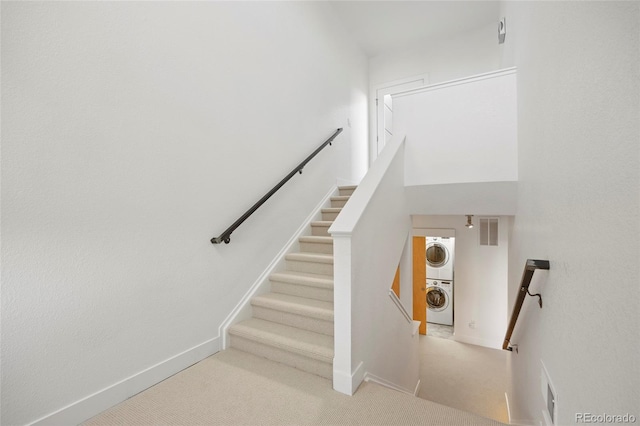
{"type": "Point", "coordinates": [488, 231]}
{"type": "Point", "coordinates": [549, 397]}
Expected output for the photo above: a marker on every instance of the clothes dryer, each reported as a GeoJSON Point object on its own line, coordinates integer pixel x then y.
{"type": "Point", "coordinates": [440, 254]}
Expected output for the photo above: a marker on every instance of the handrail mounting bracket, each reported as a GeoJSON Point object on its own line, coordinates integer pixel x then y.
{"type": "Point", "coordinates": [527, 275]}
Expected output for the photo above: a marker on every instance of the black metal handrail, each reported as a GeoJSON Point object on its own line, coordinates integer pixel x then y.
{"type": "Point", "coordinates": [527, 275]}
{"type": "Point", "coordinates": [226, 235]}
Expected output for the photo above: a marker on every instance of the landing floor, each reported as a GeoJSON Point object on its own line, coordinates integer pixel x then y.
{"type": "Point", "coordinates": [440, 330]}
{"type": "Point", "coordinates": [467, 377]}
{"type": "Point", "coordinates": [237, 388]}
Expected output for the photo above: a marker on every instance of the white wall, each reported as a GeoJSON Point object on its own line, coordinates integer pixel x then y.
{"type": "Point", "coordinates": [132, 134]}
{"type": "Point", "coordinates": [578, 204]}
{"type": "Point", "coordinates": [480, 279]}
{"type": "Point", "coordinates": [487, 198]}
{"type": "Point", "coordinates": [469, 53]}
{"type": "Point", "coordinates": [460, 131]}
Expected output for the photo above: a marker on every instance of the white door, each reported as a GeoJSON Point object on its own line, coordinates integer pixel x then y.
{"type": "Point", "coordinates": [384, 107]}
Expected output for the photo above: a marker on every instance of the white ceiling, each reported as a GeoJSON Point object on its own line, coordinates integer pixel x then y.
{"type": "Point", "coordinates": [382, 26]}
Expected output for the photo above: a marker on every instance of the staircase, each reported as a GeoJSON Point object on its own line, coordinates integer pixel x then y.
{"type": "Point", "coordinates": [293, 324]}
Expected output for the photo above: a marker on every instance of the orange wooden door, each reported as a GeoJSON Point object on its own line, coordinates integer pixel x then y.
{"type": "Point", "coordinates": [396, 283]}
{"type": "Point", "coordinates": [420, 283]}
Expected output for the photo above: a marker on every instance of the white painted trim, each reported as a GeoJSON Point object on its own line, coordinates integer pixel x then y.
{"type": "Point", "coordinates": [348, 383]}
{"type": "Point", "coordinates": [416, 327]}
{"type": "Point", "coordinates": [488, 343]}
{"type": "Point", "coordinates": [506, 398]}
{"type": "Point", "coordinates": [376, 87]}
{"type": "Point", "coordinates": [85, 408]}
{"type": "Point", "coordinates": [465, 80]}
{"type": "Point", "coordinates": [400, 306]}
{"type": "Point", "coordinates": [520, 422]}
{"type": "Point", "coordinates": [433, 232]}
{"type": "Point", "coordinates": [245, 303]}
{"type": "Point", "coordinates": [342, 382]}
{"type": "Point", "coordinates": [373, 110]}
{"type": "Point", "coordinates": [342, 356]}
{"type": "Point", "coordinates": [357, 377]}
{"type": "Point", "coordinates": [368, 377]}
{"type": "Point", "coordinates": [545, 380]}
{"type": "Point", "coordinates": [345, 223]}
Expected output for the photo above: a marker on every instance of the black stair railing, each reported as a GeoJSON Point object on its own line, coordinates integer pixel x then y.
{"type": "Point", "coordinates": [529, 268]}
{"type": "Point", "coordinates": [226, 235]}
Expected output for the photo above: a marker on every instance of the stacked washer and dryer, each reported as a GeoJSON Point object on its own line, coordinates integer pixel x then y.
{"type": "Point", "coordinates": [440, 254]}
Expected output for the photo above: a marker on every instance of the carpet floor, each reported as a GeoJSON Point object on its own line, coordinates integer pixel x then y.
{"type": "Point", "coordinates": [467, 377]}
{"type": "Point", "coordinates": [236, 388]}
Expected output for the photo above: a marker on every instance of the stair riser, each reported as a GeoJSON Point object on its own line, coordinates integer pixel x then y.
{"type": "Point", "coordinates": [316, 248]}
{"type": "Point", "coordinates": [329, 216]}
{"type": "Point", "coordinates": [320, 231]}
{"type": "Point", "coordinates": [282, 356]}
{"type": "Point", "coordinates": [299, 290]}
{"type": "Point", "coordinates": [294, 320]}
{"type": "Point", "coordinates": [310, 267]}
{"type": "Point", "coordinates": [343, 191]}
{"type": "Point", "coordinates": [338, 203]}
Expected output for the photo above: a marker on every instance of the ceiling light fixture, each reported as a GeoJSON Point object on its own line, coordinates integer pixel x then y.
{"type": "Point", "coordinates": [469, 223]}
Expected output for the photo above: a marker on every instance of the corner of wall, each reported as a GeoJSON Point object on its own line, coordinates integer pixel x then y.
{"type": "Point", "coordinates": [97, 402]}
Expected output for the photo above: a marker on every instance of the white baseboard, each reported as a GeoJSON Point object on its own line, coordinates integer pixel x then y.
{"type": "Point", "coordinates": [488, 343]}
{"type": "Point", "coordinates": [347, 383]}
{"type": "Point", "coordinates": [242, 310]}
{"type": "Point", "coordinates": [358, 376]}
{"type": "Point", "coordinates": [517, 422]}
{"type": "Point", "coordinates": [94, 404]}
{"type": "Point", "coordinates": [368, 377]}
{"type": "Point", "coordinates": [342, 382]}
{"type": "Point", "coordinates": [417, 389]}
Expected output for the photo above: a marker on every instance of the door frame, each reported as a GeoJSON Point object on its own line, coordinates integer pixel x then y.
{"type": "Point", "coordinates": [378, 92]}
{"type": "Point", "coordinates": [419, 278]}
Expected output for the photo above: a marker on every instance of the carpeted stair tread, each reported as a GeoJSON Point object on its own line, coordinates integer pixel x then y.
{"type": "Point", "coordinates": [339, 200]}
{"type": "Point", "coordinates": [310, 257]}
{"type": "Point", "coordinates": [306, 343]}
{"type": "Point", "coordinates": [320, 228]}
{"type": "Point", "coordinates": [303, 278]}
{"type": "Point", "coordinates": [322, 223]}
{"type": "Point", "coordinates": [346, 190]}
{"type": "Point", "coordinates": [316, 239]}
{"type": "Point", "coordinates": [303, 284]}
{"type": "Point", "coordinates": [295, 305]}
{"type": "Point", "coordinates": [330, 213]}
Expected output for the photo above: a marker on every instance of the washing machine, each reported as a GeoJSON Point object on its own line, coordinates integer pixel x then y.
{"type": "Point", "coordinates": [440, 254]}
{"type": "Point", "coordinates": [440, 302]}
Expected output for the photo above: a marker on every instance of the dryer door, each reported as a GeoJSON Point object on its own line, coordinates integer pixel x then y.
{"type": "Point", "coordinates": [437, 299]}
{"type": "Point", "coordinates": [437, 255]}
